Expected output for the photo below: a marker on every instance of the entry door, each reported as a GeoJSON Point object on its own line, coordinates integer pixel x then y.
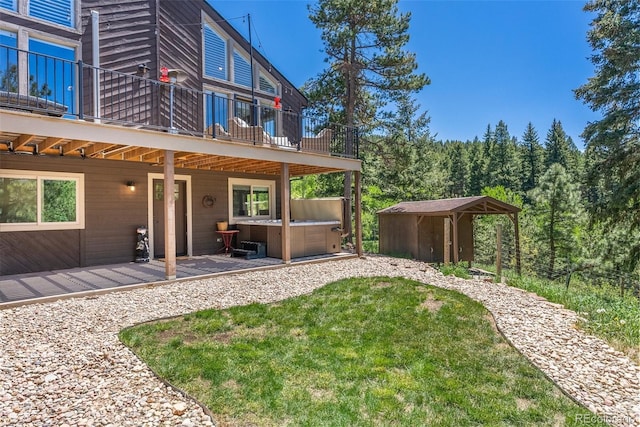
{"type": "Point", "coordinates": [179, 192]}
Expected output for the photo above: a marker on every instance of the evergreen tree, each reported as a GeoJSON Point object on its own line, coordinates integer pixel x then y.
{"type": "Point", "coordinates": [556, 206]}
{"type": "Point", "coordinates": [532, 155]}
{"type": "Point", "coordinates": [504, 163]}
{"type": "Point", "coordinates": [613, 143]}
{"type": "Point", "coordinates": [368, 65]}
{"type": "Point", "coordinates": [557, 148]}
{"type": "Point", "coordinates": [476, 167]}
{"type": "Point", "coordinates": [458, 170]}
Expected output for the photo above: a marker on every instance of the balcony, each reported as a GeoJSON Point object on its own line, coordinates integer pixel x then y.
{"type": "Point", "coordinates": [74, 91]}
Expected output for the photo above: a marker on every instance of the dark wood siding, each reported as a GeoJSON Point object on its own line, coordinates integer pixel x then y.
{"type": "Point", "coordinates": [398, 235]}
{"type": "Point", "coordinates": [112, 214]}
{"type": "Point", "coordinates": [127, 39]}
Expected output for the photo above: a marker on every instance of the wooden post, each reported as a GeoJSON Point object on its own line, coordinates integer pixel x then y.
{"type": "Point", "coordinates": [499, 252]}
{"type": "Point", "coordinates": [516, 231]}
{"type": "Point", "coordinates": [358, 207]}
{"type": "Point", "coordinates": [285, 202]}
{"type": "Point", "coordinates": [456, 246]}
{"type": "Point", "coordinates": [169, 217]}
{"type": "Point", "coordinates": [447, 241]}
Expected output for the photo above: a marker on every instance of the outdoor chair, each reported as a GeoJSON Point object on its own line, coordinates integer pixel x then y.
{"type": "Point", "coordinates": [239, 129]}
{"type": "Point", "coordinates": [220, 133]}
{"type": "Point", "coordinates": [321, 143]}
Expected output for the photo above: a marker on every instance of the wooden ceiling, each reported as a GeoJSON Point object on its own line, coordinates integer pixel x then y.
{"type": "Point", "coordinates": [36, 144]}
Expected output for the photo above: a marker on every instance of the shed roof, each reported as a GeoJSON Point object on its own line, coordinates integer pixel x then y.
{"type": "Point", "coordinates": [478, 205]}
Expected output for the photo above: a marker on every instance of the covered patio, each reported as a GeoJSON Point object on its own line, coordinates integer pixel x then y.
{"type": "Point", "coordinates": [46, 286]}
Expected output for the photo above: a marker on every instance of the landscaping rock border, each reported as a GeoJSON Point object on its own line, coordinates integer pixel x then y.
{"type": "Point", "coordinates": [62, 364]}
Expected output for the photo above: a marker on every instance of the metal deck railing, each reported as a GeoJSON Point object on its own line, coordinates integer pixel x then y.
{"type": "Point", "coordinates": [73, 90]}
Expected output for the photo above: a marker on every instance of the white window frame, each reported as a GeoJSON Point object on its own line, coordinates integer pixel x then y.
{"type": "Point", "coordinates": [39, 176]}
{"type": "Point", "coordinates": [252, 183]}
{"type": "Point", "coordinates": [270, 80]}
{"type": "Point", "coordinates": [227, 69]}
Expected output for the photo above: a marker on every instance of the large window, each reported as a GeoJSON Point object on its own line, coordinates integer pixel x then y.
{"type": "Point", "coordinates": [8, 62]}
{"type": "Point", "coordinates": [266, 85]}
{"type": "Point", "coordinates": [215, 54]}
{"type": "Point", "coordinates": [241, 69]}
{"type": "Point", "coordinates": [251, 199]}
{"type": "Point", "coordinates": [56, 11]}
{"type": "Point", "coordinates": [52, 72]}
{"type": "Point", "coordinates": [217, 110]}
{"type": "Point", "coordinates": [41, 201]}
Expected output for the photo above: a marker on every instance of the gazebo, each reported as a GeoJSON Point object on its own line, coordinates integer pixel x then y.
{"type": "Point", "coordinates": [424, 229]}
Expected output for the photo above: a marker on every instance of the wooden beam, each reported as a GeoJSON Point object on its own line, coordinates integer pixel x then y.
{"type": "Point", "coordinates": [456, 247]}
{"type": "Point", "coordinates": [285, 200]}
{"type": "Point", "coordinates": [22, 140]}
{"type": "Point", "coordinates": [169, 217]}
{"type": "Point", "coordinates": [447, 241]}
{"type": "Point", "coordinates": [97, 148]}
{"type": "Point", "coordinates": [358, 207]}
{"type": "Point", "coordinates": [48, 143]}
{"type": "Point", "coordinates": [74, 145]}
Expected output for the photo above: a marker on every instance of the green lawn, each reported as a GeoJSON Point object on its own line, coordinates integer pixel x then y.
{"type": "Point", "coordinates": [359, 352]}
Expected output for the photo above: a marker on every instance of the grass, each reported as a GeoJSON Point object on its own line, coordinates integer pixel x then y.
{"type": "Point", "coordinates": [359, 352]}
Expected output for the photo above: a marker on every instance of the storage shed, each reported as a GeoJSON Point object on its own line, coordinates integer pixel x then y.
{"type": "Point", "coordinates": [418, 229]}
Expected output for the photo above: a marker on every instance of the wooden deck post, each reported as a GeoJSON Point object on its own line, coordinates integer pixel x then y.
{"type": "Point", "coordinates": [447, 240]}
{"type": "Point", "coordinates": [358, 208]}
{"type": "Point", "coordinates": [285, 201]}
{"type": "Point", "coordinates": [169, 217]}
{"type": "Point", "coordinates": [456, 255]}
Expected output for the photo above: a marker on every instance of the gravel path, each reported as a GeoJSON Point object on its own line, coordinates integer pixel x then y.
{"type": "Point", "coordinates": [62, 364]}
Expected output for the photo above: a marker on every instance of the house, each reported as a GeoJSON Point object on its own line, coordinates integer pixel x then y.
{"type": "Point", "coordinates": [104, 104]}
{"type": "Point", "coordinates": [439, 230]}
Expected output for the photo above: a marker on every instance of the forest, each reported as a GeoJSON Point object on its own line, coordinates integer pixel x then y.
{"type": "Point", "coordinates": [580, 208]}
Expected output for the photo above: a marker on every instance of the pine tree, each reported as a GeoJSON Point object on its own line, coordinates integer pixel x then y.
{"type": "Point", "coordinates": [557, 208]}
{"type": "Point", "coordinates": [504, 163]}
{"type": "Point", "coordinates": [613, 143]}
{"type": "Point", "coordinates": [477, 167]}
{"type": "Point", "coordinates": [458, 170]}
{"type": "Point", "coordinates": [532, 155]}
{"type": "Point", "coordinates": [368, 65]}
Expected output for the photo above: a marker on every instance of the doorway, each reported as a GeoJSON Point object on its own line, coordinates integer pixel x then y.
{"type": "Point", "coordinates": [181, 220]}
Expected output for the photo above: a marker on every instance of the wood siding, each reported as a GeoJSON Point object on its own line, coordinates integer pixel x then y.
{"type": "Point", "coordinates": [423, 239]}
{"type": "Point", "coordinates": [112, 214]}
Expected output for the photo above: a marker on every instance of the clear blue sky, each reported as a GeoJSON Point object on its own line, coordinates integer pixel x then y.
{"type": "Point", "coordinates": [516, 61]}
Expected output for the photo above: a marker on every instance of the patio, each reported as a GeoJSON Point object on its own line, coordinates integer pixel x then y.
{"type": "Point", "coordinates": [20, 289]}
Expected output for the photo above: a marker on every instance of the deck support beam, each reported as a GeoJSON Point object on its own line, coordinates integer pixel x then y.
{"type": "Point", "coordinates": [285, 197]}
{"type": "Point", "coordinates": [169, 217]}
{"type": "Point", "coordinates": [358, 207]}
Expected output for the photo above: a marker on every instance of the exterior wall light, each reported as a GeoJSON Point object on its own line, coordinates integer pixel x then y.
{"type": "Point", "coordinates": [131, 185]}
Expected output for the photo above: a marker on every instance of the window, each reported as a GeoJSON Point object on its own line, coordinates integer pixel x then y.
{"type": "Point", "coordinates": [9, 4]}
{"type": "Point", "coordinates": [41, 201]}
{"type": "Point", "coordinates": [241, 69]}
{"type": "Point", "coordinates": [251, 199]}
{"type": "Point", "coordinates": [56, 11]}
{"type": "Point", "coordinates": [215, 54]}
{"type": "Point", "coordinates": [8, 62]}
{"type": "Point", "coordinates": [216, 110]}
{"type": "Point", "coordinates": [266, 85]}
{"type": "Point", "coordinates": [52, 72]}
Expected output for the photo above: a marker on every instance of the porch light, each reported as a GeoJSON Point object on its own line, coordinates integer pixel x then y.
{"type": "Point", "coordinates": [131, 185]}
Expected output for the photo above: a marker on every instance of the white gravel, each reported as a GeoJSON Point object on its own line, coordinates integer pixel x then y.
{"type": "Point", "coordinates": [61, 363]}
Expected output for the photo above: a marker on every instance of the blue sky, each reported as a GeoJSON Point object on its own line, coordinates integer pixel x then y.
{"type": "Point", "coordinates": [516, 61]}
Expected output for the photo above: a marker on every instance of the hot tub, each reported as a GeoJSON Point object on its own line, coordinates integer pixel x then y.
{"type": "Point", "coordinates": [309, 237]}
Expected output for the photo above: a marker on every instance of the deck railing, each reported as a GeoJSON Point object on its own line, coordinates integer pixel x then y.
{"type": "Point", "coordinates": [71, 89]}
